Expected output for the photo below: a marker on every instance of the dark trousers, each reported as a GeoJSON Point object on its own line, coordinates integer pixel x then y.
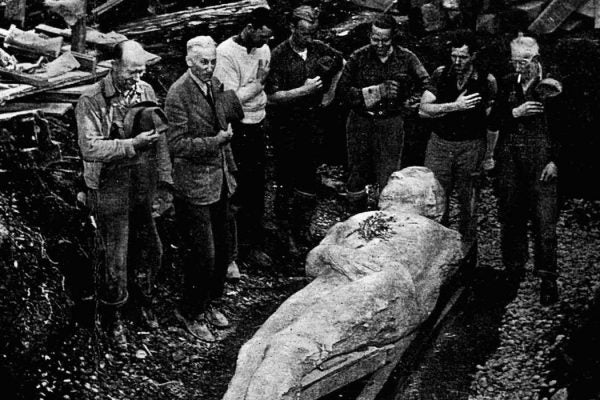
{"type": "Point", "coordinates": [249, 151]}
{"type": "Point", "coordinates": [455, 165]}
{"type": "Point", "coordinates": [205, 243]}
{"type": "Point", "coordinates": [298, 142]}
{"type": "Point", "coordinates": [128, 244]}
{"type": "Point", "coordinates": [374, 149]}
{"type": "Point", "coordinates": [523, 197]}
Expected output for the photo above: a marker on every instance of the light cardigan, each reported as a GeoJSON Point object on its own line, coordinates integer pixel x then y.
{"type": "Point", "coordinates": [236, 69]}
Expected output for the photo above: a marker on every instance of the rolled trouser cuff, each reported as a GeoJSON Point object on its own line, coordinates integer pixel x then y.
{"type": "Point", "coordinates": [116, 304]}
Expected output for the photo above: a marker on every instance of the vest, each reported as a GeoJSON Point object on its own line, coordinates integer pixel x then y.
{"type": "Point", "coordinates": [462, 125]}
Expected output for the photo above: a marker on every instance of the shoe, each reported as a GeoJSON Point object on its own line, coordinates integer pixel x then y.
{"type": "Point", "coordinates": [259, 258]}
{"type": "Point", "coordinates": [548, 291]}
{"type": "Point", "coordinates": [233, 272]}
{"type": "Point", "coordinates": [117, 334]}
{"type": "Point", "coordinates": [197, 327]}
{"type": "Point", "coordinates": [215, 317]}
{"type": "Point", "coordinates": [149, 318]}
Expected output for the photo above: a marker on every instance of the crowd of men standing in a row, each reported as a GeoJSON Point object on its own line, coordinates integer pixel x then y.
{"type": "Point", "coordinates": [208, 148]}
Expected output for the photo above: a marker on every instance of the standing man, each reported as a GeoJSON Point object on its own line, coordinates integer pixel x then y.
{"type": "Point", "coordinates": [242, 66]}
{"type": "Point", "coordinates": [377, 82]}
{"type": "Point", "coordinates": [301, 82]}
{"type": "Point", "coordinates": [526, 114]}
{"type": "Point", "coordinates": [199, 138]}
{"type": "Point", "coordinates": [120, 192]}
{"type": "Point", "coordinates": [459, 102]}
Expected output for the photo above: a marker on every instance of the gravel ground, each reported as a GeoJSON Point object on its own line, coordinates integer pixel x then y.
{"type": "Point", "coordinates": [531, 336]}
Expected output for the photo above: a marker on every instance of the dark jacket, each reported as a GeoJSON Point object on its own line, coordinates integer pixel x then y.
{"type": "Point", "coordinates": [200, 164]}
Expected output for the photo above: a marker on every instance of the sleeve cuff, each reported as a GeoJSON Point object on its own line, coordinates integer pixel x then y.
{"type": "Point", "coordinates": [129, 149]}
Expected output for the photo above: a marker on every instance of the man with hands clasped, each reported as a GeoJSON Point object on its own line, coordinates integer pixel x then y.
{"type": "Point", "coordinates": [526, 115]}
{"type": "Point", "coordinates": [458, 105]}
{"type": "Point", "coordinates": [199, 137]}
{"type": "Point", "coordinates": [300, 85]}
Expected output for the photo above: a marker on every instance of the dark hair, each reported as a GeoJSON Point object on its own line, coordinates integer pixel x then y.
{"type": "Point", "coordinates": [464, 39]}
{"type": "Point", "coordinates": [385, 21]}
{"type": "Point", "coordinates": [260, 17]}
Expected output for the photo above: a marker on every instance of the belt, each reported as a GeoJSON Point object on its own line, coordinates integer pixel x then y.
{"type": "Point", "coordinates": [381, 114]}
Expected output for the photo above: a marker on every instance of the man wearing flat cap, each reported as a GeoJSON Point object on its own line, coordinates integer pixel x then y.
{"type": "Point", "coordinates": [200, 114]}
{"type": "Point", "coordinates": [378, 84]}
{"type": "Point", "coordinates": [299, 87]}
{"type": "Point", "coordinates": [527, 116]}
{"type": "Point", "coordinates": [125, 155]}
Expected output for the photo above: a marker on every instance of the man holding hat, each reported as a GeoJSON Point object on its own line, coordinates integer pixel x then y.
{"type": "Point", "coordinates": [303, 76]}
{"type": "Point", "coordinates": [200, 115]}
{"type": "Point", "coordinates": [125, 155]}
{"type": "Point", "coordinates": [526, 114]}
{"type": "Point", "coordinates": [378, 83]}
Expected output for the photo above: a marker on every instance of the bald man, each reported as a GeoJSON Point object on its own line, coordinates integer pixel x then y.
{"type": "Point", "coordinates": [199, 137]}
{"type": "Point", "coordinates": [120, 186]}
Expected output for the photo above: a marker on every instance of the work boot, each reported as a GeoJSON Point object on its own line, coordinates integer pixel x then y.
{"type": "Point", "coordinates": [215, 317]}
{"type": "Point", "coordinates": [356, 201]}
{"type": "Point", "coordinates": [259, 258]}
{"type": "Point", "coordinates": [196, 326]}
{"type": "Point", "coordinates": [148, 317]}
{"type": "Point", "coordinates": [548, 291]}
{"type": "Point", "coordinates": [113, 326]}
{"type": "Point", "coordinates": [303, 207]}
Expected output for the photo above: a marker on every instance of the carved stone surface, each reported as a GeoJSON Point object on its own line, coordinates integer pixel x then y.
{"type": "Point", "coordinates": [377, 277]}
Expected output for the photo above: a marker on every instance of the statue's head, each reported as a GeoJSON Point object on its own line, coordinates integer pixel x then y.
{"type": "Point", "coordinates": [414, 190]}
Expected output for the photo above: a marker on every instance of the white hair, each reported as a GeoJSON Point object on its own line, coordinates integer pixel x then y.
{"type": "Point", "coordinates": [525, 44]}
{"type": "Point", "coordinates": [202, 42]}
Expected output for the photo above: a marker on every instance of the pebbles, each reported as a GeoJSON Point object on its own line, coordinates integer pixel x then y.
{"type": "Point", "coordinates": [531, 335]}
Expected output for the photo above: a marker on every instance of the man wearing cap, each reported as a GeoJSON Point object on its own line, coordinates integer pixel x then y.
{"type": "Point", "coordinates": [526, 115]}
{"type": "Point", "coordinates": [199, 137]}
{"type": "Point", "coordinates": [458, 104]}
{"type": "Point", "coordinates": [379, 82]}
{"type": "Point", "coordinates": [242, 66]}
{"type": "Point", "coordinates": [123, 159]}
{"type": "Point", "coordinates": [303, 72]}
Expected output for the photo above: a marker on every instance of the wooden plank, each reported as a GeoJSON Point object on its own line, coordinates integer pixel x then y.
{"type": "Point", "coordinates": [67, 95]}
{"type": "Point", "coordinates": [554, 15]}
{"type": "Point", "coordinates": [29, 79]}
{"type": "Point", "coordinates": [214, 16]}
{"type": "Point", "coordinates": [104, 7]}
{"type": "Point", "coordinates": [90, 37]}
{"type": "Point", "coordinates": [54, 109]}
{"type": "Point", "coordinates": [320, 383]}
{"type": "Point", "coordinates": [87, 62]}
{"type": "Point", "coordinates": [588, 9]}
{"type": "Point", "coordinates": [70, 78]}
{"type": "Point", "coordinates": [381, 5]}
{"type": "Point", "coordinates": [597, 14]}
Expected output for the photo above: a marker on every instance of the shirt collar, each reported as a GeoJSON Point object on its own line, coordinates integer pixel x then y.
{"type": "Point", "coordinates": [201, 84]}
{"type": "Point", "coordinates": [111, 90]}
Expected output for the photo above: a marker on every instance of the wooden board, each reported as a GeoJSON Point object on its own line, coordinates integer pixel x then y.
{"type": "Point", "coordinates": [104, 7]}
{"type": "Point", "coordinates": [380, 5]}
{"type": "Point", "coordinates": [70, 78]}
{"type": "Point", "coordinates": [20, 77]}
{"type": "Point", "coordinates": [554, 15]}
{"type": "Point", "coordinates": [54, 109]}
{"type": "Point", "coordinates": [67, 95]}
{"type": "Point", "coordinates": [214, 16]}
